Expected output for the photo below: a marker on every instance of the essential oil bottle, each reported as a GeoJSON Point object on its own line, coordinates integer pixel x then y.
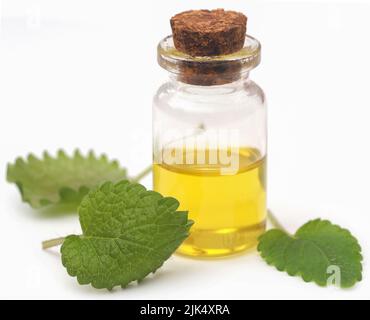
{"type": "Point", "coordinates": [209, 131]}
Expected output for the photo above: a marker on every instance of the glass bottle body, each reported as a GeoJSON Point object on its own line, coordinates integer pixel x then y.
{"type": "Point", "coordinates": [209, 152]}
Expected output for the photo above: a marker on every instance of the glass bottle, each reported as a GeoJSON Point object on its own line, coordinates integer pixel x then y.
{"type": "Point", "coordinates": [209, 147]}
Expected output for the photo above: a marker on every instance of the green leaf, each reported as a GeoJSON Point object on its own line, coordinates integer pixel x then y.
{"type": "Point", "coordinates": [318, 251]}
{"type": "Point", "coordinates": [128, 233]}
{"type": "Point", "coordinates": [62, 179]}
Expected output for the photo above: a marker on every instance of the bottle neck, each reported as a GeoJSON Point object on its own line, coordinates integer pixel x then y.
{"type": "Point", "coordinates": [237, 83]}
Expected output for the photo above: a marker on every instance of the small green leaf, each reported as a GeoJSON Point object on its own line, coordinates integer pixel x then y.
{"type": "Point", "coordinates": [128, 233]}
{"type": "Point", "coordinates": [316, 250]}
{"type": "Point", "coordinates": [63, 179]}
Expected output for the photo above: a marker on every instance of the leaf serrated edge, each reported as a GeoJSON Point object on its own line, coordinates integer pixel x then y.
{"type": "Point", "coordinates": [357, 248]}
{"type": "Point", "coordinates": [60, 154]}
{"type": "Point", "coordinates": [109, 185]}
{"type": "Point", "coordinates": [339, 229]}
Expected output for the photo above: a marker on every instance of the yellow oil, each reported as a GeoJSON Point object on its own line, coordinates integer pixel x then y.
{"type": "Point", "coordinates": [229, 210]}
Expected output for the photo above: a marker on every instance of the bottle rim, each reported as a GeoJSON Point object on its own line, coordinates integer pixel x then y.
{"type": "Point", "coordinates": [174, 61]}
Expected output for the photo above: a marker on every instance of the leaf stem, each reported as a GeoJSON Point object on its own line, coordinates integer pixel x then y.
{"type": "Point", "coordinates": [52, 243]}
{"type": "Point", "coordinates": [142, 174]}
{"type": "Point", "coordinates": [274, 221]}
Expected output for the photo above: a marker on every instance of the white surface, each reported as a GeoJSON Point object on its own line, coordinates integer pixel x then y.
{"type": "Point", "coordinates": [82, 74]}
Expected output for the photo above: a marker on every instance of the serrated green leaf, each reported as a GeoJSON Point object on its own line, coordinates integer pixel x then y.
{"type": "Point", "coordinates": [128, 233]}
{"type": "Point", "coordinates": [316, 250]}
{"type": "Point", "coordinates": [61, 179]}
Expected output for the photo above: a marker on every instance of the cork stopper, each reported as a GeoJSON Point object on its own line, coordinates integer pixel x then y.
{"type": "Point", "coordinates": [209, 48]}
{"type": "Point", "coordinates": [209, 32]}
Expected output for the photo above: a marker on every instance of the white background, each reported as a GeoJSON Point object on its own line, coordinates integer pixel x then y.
{"type": "Point", "coordinates": [81, 74]}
